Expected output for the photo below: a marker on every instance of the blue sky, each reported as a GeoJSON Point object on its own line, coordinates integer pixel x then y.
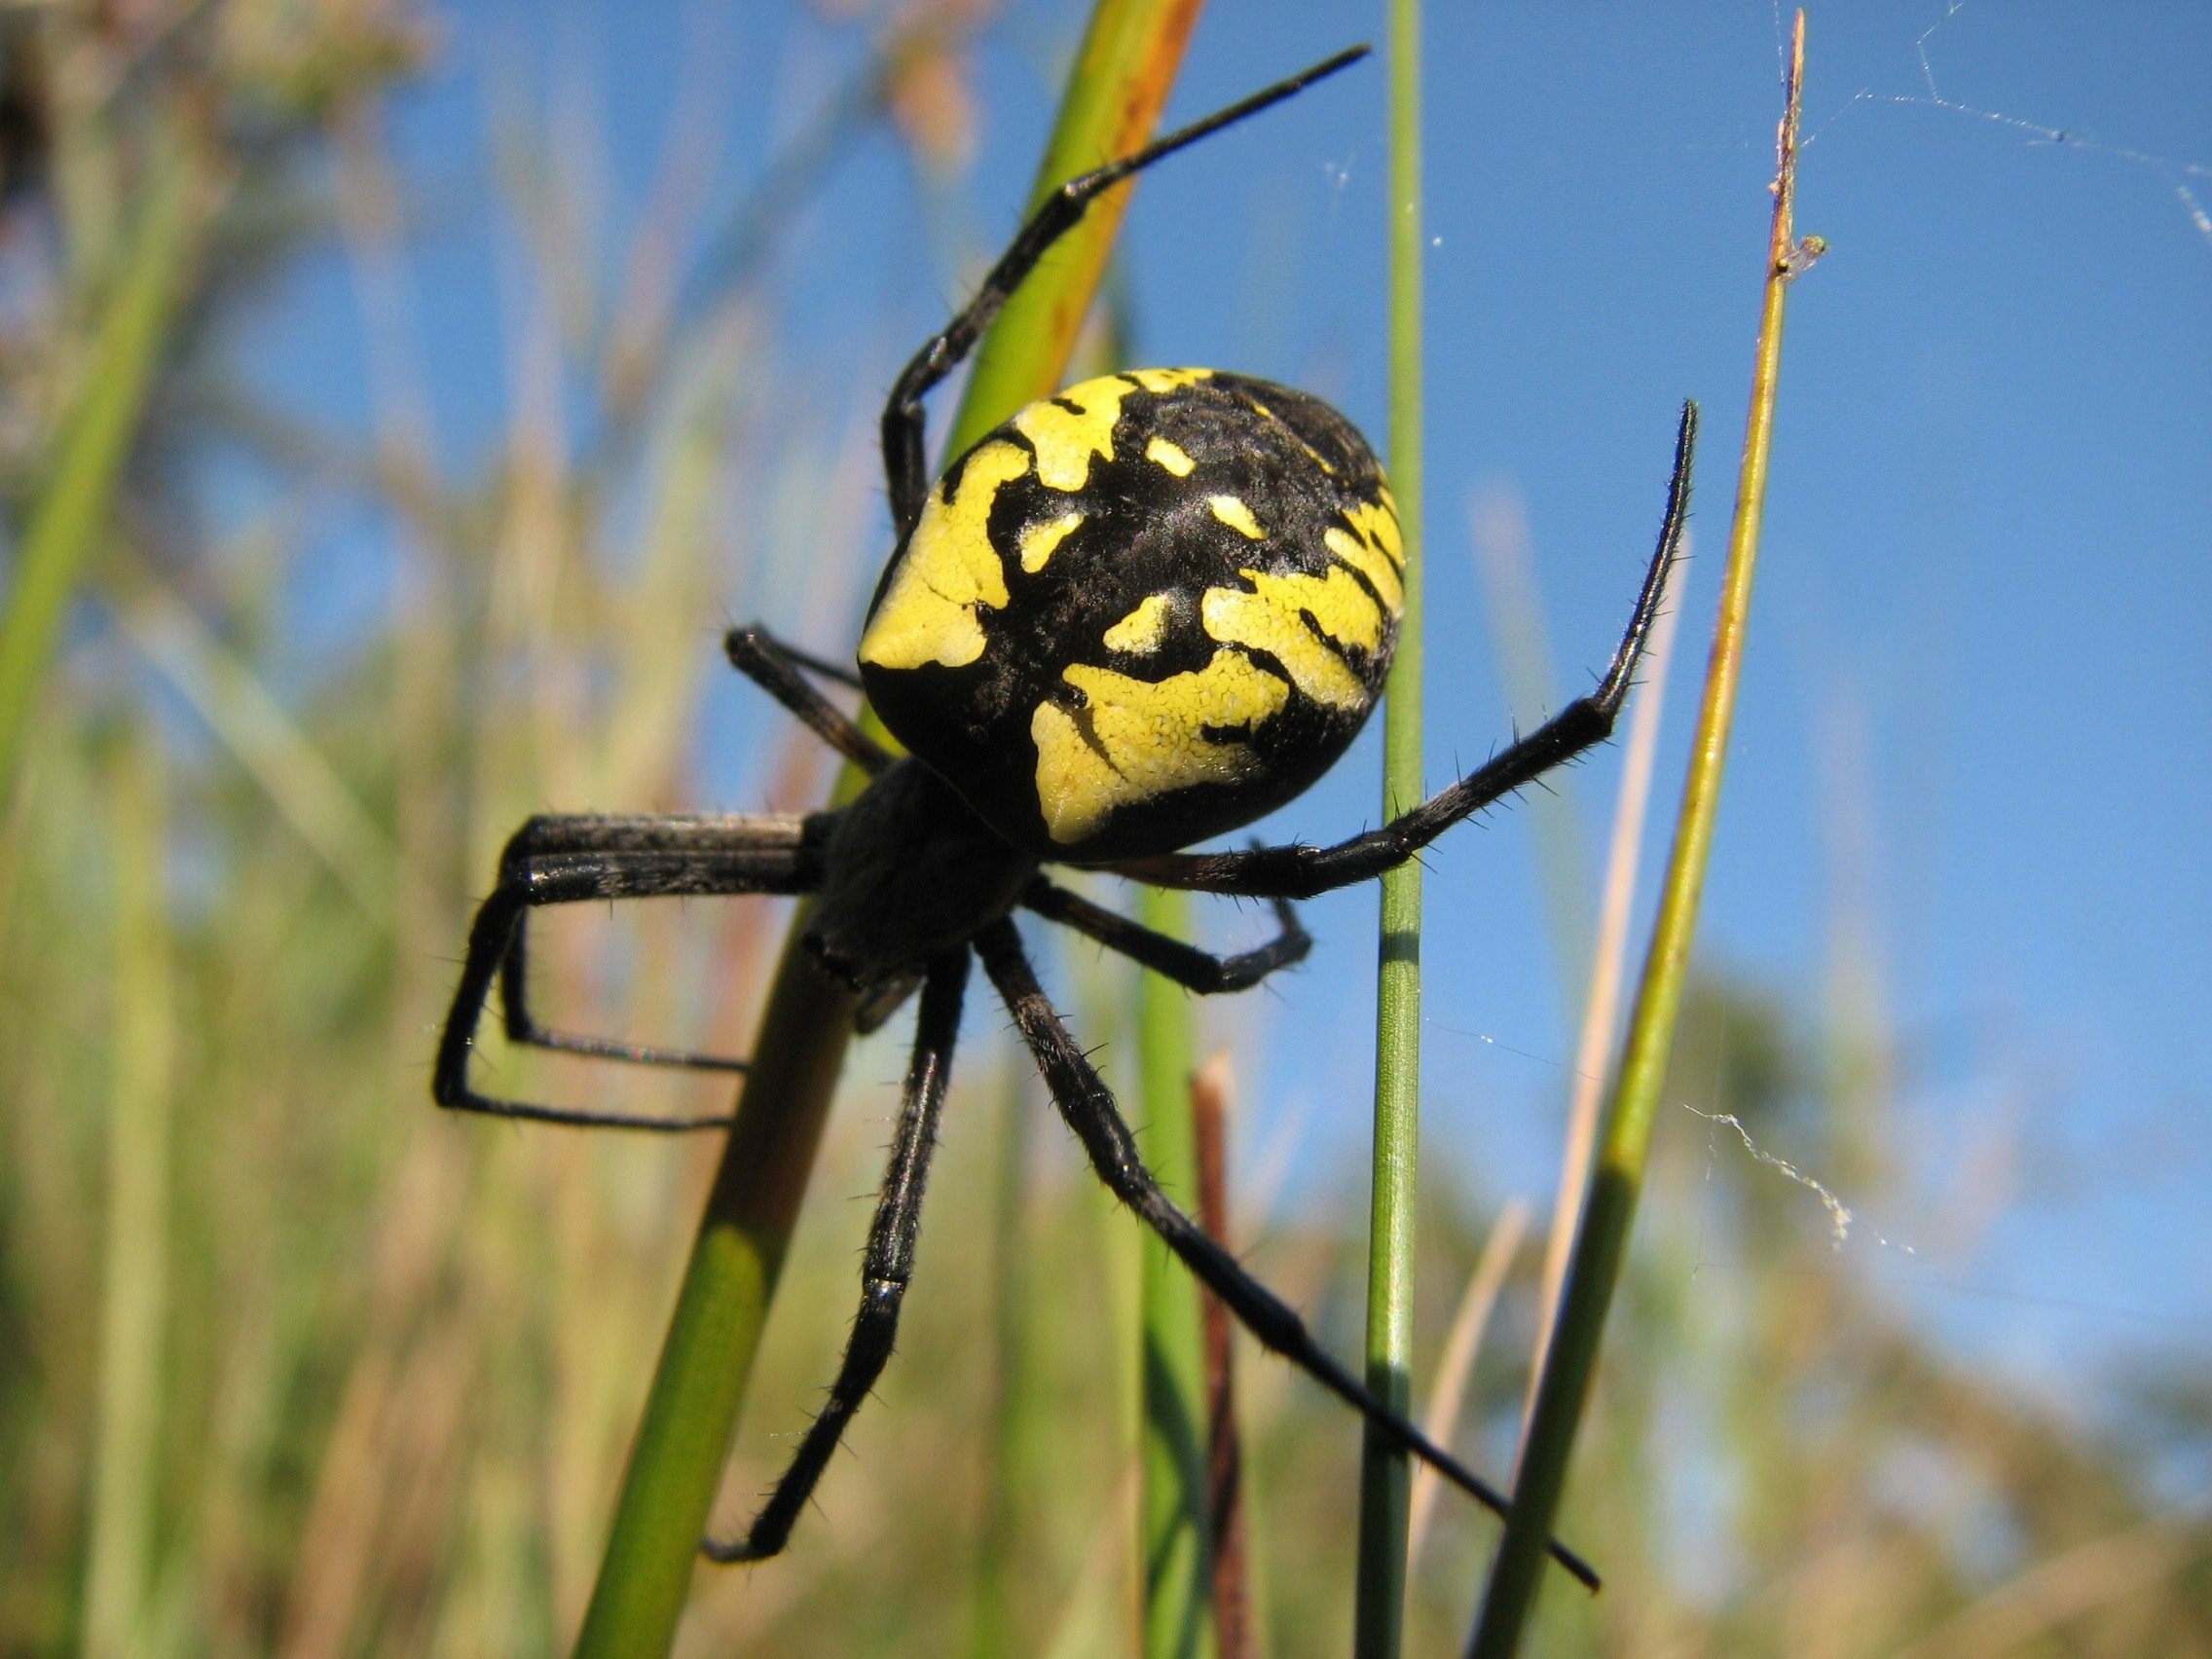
{"type": "Point", "coordinates": [1986, 586]}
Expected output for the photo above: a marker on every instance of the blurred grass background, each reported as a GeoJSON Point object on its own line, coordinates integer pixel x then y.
{"type": "Point", "coordinates": [288, 1363]}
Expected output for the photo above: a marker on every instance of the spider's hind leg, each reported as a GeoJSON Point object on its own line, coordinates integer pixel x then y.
{"type": "Point", "coordinates": [886, 1266]}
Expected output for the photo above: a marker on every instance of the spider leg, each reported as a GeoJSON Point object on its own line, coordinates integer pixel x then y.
{"type": "Point", "coordinates": [1057, 215]}
{"type": "Point", "coordinates": [566, 859]}
{"type": "Point", "coordinates": [886, 1265]}
{"type": "Point", "coordinates": [1301, 871]}
{"type": "Point", "coordinates": [775, 667]}
{"type": "Point", "coordinates": [561, 835]}
{"type": "Point", "coordinates": [1187, 966]}
{"type": "Point", "coordinates": [1087, 1106]}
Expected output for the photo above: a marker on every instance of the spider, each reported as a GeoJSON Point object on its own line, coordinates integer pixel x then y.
{"type": "Point", "coordinates": [1139, 615]}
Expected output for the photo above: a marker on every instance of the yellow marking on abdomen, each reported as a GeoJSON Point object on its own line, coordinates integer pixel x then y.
{"type": "Point", "coordinates": [1039, 541]}
{"type": "Point", "coordinates": [948, 571]}
{"type": "Point", "coordinates": [1374, 565]}
{"type": "Point", "coordinates": [1065, 439]}
{"type": "Point", "coordinates": [1377, 524]}
{"type": "Point", "coordinates": [1232, 512]}
{"type": "Point", "coordinates": [1272, 619]}
{"type": "Point", "coordinates": [1147, 738]}
{"type": "Point", "coordinates": [1140, 632]}
{"type": "Point", "coordinates": [1160, 452]}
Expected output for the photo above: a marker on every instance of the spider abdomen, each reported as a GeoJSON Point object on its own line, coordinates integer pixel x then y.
{"type": "Point", "coordinates": [1140, 613]}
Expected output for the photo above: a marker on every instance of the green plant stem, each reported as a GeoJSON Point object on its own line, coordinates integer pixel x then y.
{"type": "Point", "coordinates": [692, 1410]}
{"type": "Point", "coordinates": [134, 1265]}
{"type": "Point", "coordinates": [1385, 1478]}
{"type": "Point", "coordinates": [1116, 90]}
{"type": "Point", "coordinates": [1175, 1528]}
{"type": "Point", "coordinates": [68, 516]}
{"type": "Point", "coordinates": [1601, 1243]}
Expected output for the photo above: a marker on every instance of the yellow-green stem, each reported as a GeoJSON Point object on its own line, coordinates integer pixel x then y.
{"type": "Point", "coordinates": [1386, 1480]}
{"type": "Point", "coordinates": [1115, 90]}
{"type": "Point", "coordinates": [1601, 1243]}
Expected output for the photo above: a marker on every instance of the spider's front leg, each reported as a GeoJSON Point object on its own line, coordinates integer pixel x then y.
{"type": "Point", "coordinates": [1302, 872]}
{"type": "Point", "coordinates": [1057, 215]}
{"type": "Point", "coordinates": [566, 859]}
{"type": "Point", "coordinates": [886, 1266]}
{"type": "Point", "coordinates": [1087, 1107]}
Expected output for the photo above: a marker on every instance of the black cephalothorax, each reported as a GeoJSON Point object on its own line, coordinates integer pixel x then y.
{"type": "Point", "coordinates": [1139, 615]}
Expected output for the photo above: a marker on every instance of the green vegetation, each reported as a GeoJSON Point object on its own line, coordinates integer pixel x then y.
{"type": "Point", "coordinates": [1385, 1476]}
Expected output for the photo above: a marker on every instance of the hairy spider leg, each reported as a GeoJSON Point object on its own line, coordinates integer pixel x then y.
{"type": "Point", "coordinates": [1058, 214]}
{"type": "Point", "coordinates": [887, 1265]}
{"type": "Point", "coordinates": [805, 660]}
{"type": "Point", "coordinates": [1087, 1107]}
{"type": "Point", "coordinates": [567, 859]}
{"type": "Point", "coordinates": [775, 667]}
{"type": "Point", "coordinates": [1192, 969]}
{"type": "Point", "coordinates": [620, 835]}
{"type": "Point", "coordinates": [1297, 872]}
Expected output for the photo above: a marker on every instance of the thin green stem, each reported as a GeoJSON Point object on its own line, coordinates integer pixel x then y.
{"type": "Point", "coordinates": [1601, 1243]}
{"type": "Point", "coordinates": [134, 1288]}
{"type": "Point", "coordinates": [1115, 90]}
{"type": "Point", "coordinates": [1174, 1527]}
{"type": "Point", "coordinates": [68, 520]}
{"type": "Point", "coordinates": [1385, 1478]}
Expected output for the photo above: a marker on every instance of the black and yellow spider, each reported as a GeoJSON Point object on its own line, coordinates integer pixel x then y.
{"type": "Point", "coordinates": [1137, 615]}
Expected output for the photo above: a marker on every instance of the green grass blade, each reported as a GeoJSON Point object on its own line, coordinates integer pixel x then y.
{"type": "Point", "coordinates": [1608, 969]}
{"type": "Point", "coordinates": [68, 515]}
{"type": "Point", "coordinates": [1174, 1530]}
{"type": "Point", "coordinates": [134, 1276]}
{"type": "Point", "coordinates": [224, 690]}
{"type": "Point", "coordinates": [1385, 1479]}
{"type": "Point", "coordinates": [692, 1410]}
{"type": "Point", "coordinates": [1602, 1244]}
{"type": "Point", "coordinates": [1115, 90]}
